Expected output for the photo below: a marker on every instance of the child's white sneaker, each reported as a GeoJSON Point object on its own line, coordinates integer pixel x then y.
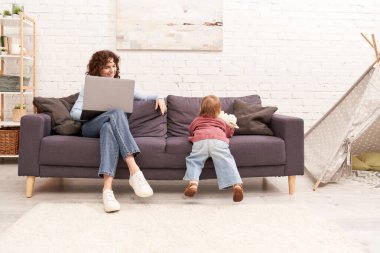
{"type": "Point", "coordinates": [140, 185]}
{"type": "Point", "coordinates": [109, 201]}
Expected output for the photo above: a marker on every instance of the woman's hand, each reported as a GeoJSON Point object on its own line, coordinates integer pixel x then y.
{"type": "Point", "coordinates": [161, 104]}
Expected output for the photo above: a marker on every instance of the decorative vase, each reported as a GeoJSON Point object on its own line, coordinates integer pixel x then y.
{"type": "Point", "coordinates": [17, 114]}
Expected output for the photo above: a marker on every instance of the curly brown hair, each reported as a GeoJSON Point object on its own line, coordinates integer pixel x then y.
{"type": "Point", "coordinates": [99, 60]}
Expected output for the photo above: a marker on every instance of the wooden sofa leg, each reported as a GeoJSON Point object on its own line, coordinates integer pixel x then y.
{"type": "Point", "coordinates": [30, 186]}
{"type": "Point", "coordinates": [292, 184]}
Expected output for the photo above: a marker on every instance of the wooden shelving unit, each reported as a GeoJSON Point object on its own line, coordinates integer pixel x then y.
{"type": "Point", "coordinates": [22, 22]}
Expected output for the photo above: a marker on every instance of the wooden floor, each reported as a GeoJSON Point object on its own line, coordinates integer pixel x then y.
{"type": "Point", "coordinates": [353, 206]}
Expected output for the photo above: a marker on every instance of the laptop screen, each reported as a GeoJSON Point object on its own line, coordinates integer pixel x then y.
{"type": "Point", "coordinates": [102, 94]}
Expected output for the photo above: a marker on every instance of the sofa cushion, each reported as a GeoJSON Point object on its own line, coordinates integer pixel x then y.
{"type": "Point", "coordinates": [145, 121]}
{"type": "Point", "coordinates": [56, 149]}
{"type": "Point", "coordinates": [256, 150]}
{"type": "Point", "coordinates": [178, 145]}
{"type": "Point", "coordinates": [152, 152]}
{"type": "Point", "coordinates": [253, 150]}
{"type": "Point", "coordinates": [253, 119]}
{"type": "Point", "coordinates": [81, 151]}
{"type": "Point", "coordinates": [182, 110]}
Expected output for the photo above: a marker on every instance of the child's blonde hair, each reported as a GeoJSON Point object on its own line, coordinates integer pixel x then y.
{"type": "Point", "coordinates": [210, 106]}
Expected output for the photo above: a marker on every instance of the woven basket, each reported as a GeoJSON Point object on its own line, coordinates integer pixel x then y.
{"type": "Point", "coordinates": [9, 140]}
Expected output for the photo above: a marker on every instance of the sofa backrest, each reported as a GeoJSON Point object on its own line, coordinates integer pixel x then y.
{"type": "Point", "coordinates": [145, 121]}
{"type": "Point", "coordinates": [182, 111]}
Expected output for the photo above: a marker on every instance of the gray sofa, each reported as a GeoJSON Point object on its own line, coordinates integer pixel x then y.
{"type": "Point", "coordinates": [164, 145]}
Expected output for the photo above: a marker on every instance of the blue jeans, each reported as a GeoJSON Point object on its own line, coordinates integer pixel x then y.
{"type": "Point", "coordinates": [115, 139]}
{"type": "Point", "coordinates": [224, 163]}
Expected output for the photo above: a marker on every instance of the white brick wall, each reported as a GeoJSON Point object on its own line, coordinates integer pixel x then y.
{"type": "Point", "coordinates": [299, 55]}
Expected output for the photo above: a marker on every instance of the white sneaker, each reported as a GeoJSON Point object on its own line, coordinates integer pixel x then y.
{"type": "Point", "coordinates": [109, 201]}
{"type": "Point", "coordinates": [140, 185]}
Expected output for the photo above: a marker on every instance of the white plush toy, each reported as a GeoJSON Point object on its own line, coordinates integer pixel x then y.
{"type": "Point", "coordinates": [229, 119]}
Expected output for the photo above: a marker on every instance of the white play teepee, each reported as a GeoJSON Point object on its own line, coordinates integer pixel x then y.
{"type": "Point", "coordinates": [350, 127]}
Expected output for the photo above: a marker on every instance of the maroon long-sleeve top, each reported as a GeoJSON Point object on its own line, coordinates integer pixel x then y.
{"type": "Point", "coordinates": [202, 128]}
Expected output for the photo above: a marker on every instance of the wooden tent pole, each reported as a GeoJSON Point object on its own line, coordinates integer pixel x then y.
{"type": "Point", "coordinates": [316, 185]}
{"type": "Point", "coordinates": [365, 37]}
{"type": "Point", "coordinates": [375, 47]}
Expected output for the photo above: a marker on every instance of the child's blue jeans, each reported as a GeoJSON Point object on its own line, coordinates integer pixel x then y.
{"type": "Point", "coordinates": [224, 163]}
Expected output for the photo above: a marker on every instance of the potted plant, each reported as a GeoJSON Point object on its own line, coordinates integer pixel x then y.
{"type": "Point", "coordinates": [6, 14]}
{"type": "Point", "coordinates": [16, 12]}
{"type": "Point", "coordinates": [16, 9]}
{"type": "Point", "coordinates": [18, 112]}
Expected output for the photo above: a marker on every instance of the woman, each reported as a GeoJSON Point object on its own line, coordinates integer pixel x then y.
{"type": "Point", "coordinates": [115, 137]}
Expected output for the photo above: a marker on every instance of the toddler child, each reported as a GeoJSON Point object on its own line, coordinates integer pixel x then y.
{"type": "Point", "coordinates": [210, 135]}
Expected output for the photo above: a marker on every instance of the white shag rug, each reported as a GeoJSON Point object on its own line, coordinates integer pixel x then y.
{"type": "Point", "coordinates": [174, 228]}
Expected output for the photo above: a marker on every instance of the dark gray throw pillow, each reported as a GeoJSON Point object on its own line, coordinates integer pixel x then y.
{"type": "Point", "coordinates": [253, 118]}
{"type": "Point", "coordinates": [59, 111]}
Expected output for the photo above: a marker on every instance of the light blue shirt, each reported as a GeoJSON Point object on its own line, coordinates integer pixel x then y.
{"type": "Point", "coordinates": [76, 111]}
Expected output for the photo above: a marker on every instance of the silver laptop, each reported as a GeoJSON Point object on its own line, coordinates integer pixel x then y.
{"type": "Point", "coordinates": [102, 94]}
